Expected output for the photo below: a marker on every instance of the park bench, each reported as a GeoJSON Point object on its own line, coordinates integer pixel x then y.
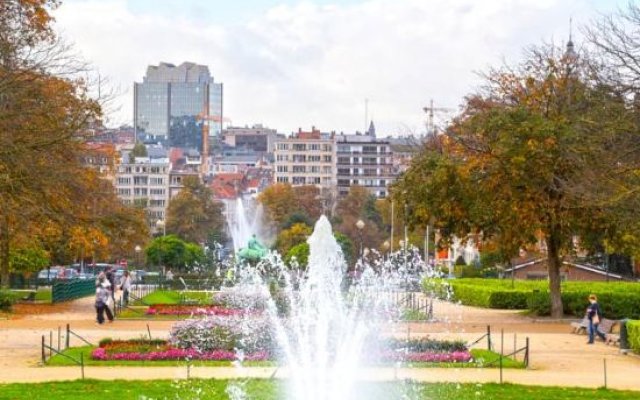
{"type": "Point", "coordinates": [607, 326]}
{"type": "Point", "coordinates": [30, 297]}
{"type": "Point", "coordinates": [579, 327]}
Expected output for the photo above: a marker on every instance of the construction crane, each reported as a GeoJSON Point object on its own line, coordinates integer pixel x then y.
{"type": "Point", "coordinates": [206, 118]}
{"type": "Point", "coordinates": [430, 111]}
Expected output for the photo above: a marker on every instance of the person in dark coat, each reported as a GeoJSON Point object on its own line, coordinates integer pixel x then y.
{"type": "Point", "coordinates": [111, 277]}
{"type": "Point", "coordinates": [594, 314]}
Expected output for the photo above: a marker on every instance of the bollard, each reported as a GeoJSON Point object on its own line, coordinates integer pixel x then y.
{"type": "Point", "coordinates": [50, 343]}
{"type": "Point", "coordinates": [515, 343]}
{"type": "Point", "coordinates": [526, 355]}
{"type": "Point", "coordinates": [44, 355]}
{"type": "Point", "coordinates": [82, 365]}
{"type": "Point", "coordinates": [188, 369]}
{"type": "Point", "coordinates": [605, 373]}
{"type": "Point", "coordinates": [149, 331]}
{"type": "Point", "coordinates": [59, 338]}
{"type": "Point", "coordinates": [501, 352]}
{"type": "Point", "coordinates": [66, 338]}
{"type": "Point", "coordinates": [489, 337]}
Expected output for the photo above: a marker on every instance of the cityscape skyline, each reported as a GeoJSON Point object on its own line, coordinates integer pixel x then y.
{"type": "Point", "coordinates": [289, 64]}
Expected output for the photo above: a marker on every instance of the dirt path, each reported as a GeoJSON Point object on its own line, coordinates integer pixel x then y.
{"type": "Point", "coordinates": [557, 357]}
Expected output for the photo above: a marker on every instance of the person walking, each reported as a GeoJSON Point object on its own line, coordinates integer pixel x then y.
{"type": "Point", "coordinates": [111, 277]}
{"type": "Point", "coordinates": [125, 286]}
{"type": "Point", "coordinates": [595, 316]}
{"type": "Point", "coordinates": [102, 298]}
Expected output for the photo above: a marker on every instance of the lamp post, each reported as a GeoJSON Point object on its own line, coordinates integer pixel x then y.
{"type": "Point", "coordinates": [360, 225]}
{"type": "Point", "coordinates": [386, 246]}
{"type": "Point", "coordinates": [160, 224]}
{"type": "Point", "coordinates": [138, 249]}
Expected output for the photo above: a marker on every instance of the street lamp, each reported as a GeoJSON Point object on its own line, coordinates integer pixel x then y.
{"type": "Point", "coordinates": [386, 246]}
{"type": "Point", "coordinates": [138, 249]}
{"type": "Point", "coordinates": [360, 225]}
{"type": "Point", "coordinates": [160, 224]}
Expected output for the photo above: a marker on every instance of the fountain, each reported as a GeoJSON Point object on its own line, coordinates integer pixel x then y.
{"type": "Point", "coordinates": [241, 227]}
{"type": "Point", "coordinates": [323, 340]}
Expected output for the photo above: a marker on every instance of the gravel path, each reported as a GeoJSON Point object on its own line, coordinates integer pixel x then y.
{"type": "Point", "coordinates": [557, 357]}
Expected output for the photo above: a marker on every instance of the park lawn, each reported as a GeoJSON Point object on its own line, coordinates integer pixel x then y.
{"type": "Point", "coordinates": [43, 294]}
{"type": "Point", "coordinates": [75, 352]}
{"type": "Point", "coordinates": [58, 361]}
{"type": "Point", "coordinates": [262, 389]}
{"type": "Point", "coordinates": [173, 297]}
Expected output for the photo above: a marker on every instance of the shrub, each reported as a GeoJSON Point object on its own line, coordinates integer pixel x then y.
{"type": "Point", "coordinates": [7, 300]}
{"type": "Point", "coordinates": [633, 332]}
{"type": "Point", "coordinates": [617, 299]}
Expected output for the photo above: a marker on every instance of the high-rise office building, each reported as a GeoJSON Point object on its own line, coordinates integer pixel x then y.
{"type": "Point", "coordinates": [172, 104]}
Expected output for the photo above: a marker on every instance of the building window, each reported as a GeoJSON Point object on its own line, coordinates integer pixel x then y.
{"type": "Point", "coordinates": [299, 147]}
{"type": "Point", "coordinates": [282, 179]}
{"type": "Point", "coordinates": [283, 168]}
{"type": "Point", "coordinates": [299, 168]}
{"type": "Point", "coordinates": [327, 158]}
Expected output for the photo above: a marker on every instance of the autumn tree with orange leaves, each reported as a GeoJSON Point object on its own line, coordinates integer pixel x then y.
{"type": "Point", "coordinates": [46, 195]}
{"type": "Point", "coordinates": [523, 158]}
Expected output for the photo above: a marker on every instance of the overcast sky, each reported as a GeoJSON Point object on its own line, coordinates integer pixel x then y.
{"type": "Point", "coordinates": [289, 64]}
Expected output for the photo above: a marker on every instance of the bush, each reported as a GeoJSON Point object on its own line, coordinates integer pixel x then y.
{"type": "Point", "coordinates": [617, 299]}
{"type": "Point", "coordinates": [633, 332]}
{"type": "Point", "coordinates": [7, 300]}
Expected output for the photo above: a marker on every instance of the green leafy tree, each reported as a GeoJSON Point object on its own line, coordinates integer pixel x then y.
{"type": "Point", "coordinates": [300, 253]}
{"type": "Point", "coordinates": [172, 252]}
{"type": "Point", "coordinates": [360, 204]}
{"type": "Point", "coordinates": [139, 150]}
{"type": "Point", "coordinates": [28, 259]}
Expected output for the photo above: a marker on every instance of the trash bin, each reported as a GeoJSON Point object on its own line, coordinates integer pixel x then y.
{"type": "Point", "coordinates": [624, 337]}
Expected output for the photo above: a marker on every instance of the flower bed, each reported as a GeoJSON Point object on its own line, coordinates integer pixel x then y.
{"type": "Point", "coordinates": [427, 356]}
{"type": "Point", "coordinates": [162, 350]}
{"type": "Point", "coordinates": [171, 353]}
{"type": "Point", "coordinates": [163, 309]}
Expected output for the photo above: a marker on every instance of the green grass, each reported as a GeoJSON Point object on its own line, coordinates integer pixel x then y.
{"type": "Point", "coordinates": [484, 357]}
{"type": "Point", "coordinates": [42, 294]}
{"type": "Point", "coordinates": [273, 389]}
{"type": "Point", "coordinates": [173, 297]}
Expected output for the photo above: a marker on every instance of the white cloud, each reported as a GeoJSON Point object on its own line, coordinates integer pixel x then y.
{"type": "Point", "coordinates": [309, 65]}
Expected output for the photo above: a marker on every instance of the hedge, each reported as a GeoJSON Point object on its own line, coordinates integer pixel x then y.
{"type": "Point", "coordinates": [7, 300]}
{"type": "Point", "coordinates": [633, 332]}
{"type": "Point", "coordinates": [617, 299]}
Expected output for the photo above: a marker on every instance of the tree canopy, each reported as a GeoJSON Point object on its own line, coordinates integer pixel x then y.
{"type": "Point", "coordinates": [537, 151]}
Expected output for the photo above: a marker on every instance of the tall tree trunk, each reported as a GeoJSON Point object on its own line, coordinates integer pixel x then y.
{"type": "Point", "coordinates": [554, 264]}
{"type": "Point", "coordinates": [4, 252]}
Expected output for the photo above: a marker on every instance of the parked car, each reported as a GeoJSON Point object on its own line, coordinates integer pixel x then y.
{"type": "Point", "coordinates": [86, 276]}
{"type": "Point", "coordinates": [49, 274]}
{"type": "Point", "coordinates": [138, 275]}
{"type": "Point", "coordinates": [69, 273]}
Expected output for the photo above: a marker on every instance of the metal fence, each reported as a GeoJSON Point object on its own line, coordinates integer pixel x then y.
{"type": "Point", "coordinates": [72, 289]}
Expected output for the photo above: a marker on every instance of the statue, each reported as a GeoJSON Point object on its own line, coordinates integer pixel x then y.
{"type": "Point", "coordinates": [254, 251]}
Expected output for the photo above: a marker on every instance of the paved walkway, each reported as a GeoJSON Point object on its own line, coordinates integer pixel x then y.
{"type": "Point", "coordinates": [557, 357]}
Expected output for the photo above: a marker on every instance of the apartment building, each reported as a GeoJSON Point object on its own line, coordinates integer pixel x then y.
{"type": "Point", "coordinates": [145, 182]}
{"type": "Point", "coordinates": [364, 160]}
{"type": "Point", "coordinates": [306, 158]}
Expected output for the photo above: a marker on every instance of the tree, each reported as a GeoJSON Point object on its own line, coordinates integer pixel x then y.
{"type": "Point", "coordinates": [285, 204]}
{"type": "Point", "coordinates": [359, 204]}
{"type": "Point", "coordinates": [288, 238]}
{"type": "Point", "coordinates": [173, 252]}
{"type": "Point", "coordinates": [278, 201]}
{"type": "Point", "coordinates": [300, 253]}
{"type": "Point", "coordinates": [193, 214]}
{"type": "Point", "coordinates": [139, 150]}
{"type": "Point", "coordinates": [517, 160]}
